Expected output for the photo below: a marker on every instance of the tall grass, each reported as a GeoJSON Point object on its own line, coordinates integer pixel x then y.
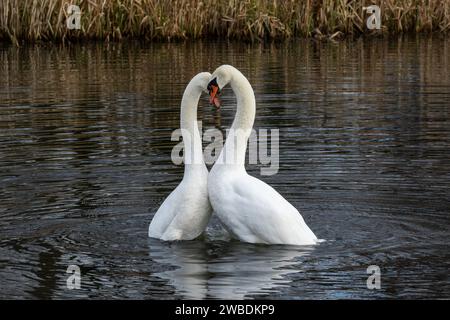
{"type": "Point", "coordinates": [240, 19]}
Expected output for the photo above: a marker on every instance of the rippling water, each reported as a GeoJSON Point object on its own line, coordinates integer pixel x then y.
{"type": "Point", "coordinates": [364, 155]}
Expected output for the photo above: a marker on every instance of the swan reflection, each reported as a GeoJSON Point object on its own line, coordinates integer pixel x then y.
{"type": "Point", "coordinates": [225, 270]}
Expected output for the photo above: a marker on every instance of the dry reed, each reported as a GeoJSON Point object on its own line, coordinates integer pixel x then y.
{"type": "Point", "coordinates": [32, 20]}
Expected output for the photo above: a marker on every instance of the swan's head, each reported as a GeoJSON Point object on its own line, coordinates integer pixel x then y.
{"type": "Point", "coordinates": [201, 81]}
{"type": "Point", "coordinates": [219, 79]}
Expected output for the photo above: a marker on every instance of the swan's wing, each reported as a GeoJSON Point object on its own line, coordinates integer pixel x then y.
{"type": "Point", "coordinates": [185, 213]}
{"type": "Point", "coordinates": [166, 213]}
{"type": "Point", "coordinates": [261, 212]}
{"type": "Point", "coordinates": [193, 213]}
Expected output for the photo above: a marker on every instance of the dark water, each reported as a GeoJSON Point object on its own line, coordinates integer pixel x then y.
{"type": "Point", "coordinates": [364, 155]}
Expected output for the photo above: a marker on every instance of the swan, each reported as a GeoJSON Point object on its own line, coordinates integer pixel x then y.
{"type": "Point", "coordinates": [249, 209]}
{"type": "Point", "coordinates": [185, 213]}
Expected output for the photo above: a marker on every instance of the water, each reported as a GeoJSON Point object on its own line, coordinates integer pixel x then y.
{"type": "Point", "coordinates": [364, 155]}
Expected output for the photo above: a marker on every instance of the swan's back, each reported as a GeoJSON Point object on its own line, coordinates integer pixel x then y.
{"type": "Point", "coordinates": [256, 212]}
{"type": "Point", "coordinates": [185, 212]}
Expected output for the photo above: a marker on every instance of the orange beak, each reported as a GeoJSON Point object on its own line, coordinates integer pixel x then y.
{"type": "Point", "coordinates": [213, 96]}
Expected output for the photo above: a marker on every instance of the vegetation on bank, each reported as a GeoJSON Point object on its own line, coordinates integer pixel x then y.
{"type": "Point", "coordinates": [32, 20]}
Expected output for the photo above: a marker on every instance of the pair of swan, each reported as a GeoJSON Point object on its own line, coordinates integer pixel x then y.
{"type": "Point", "coordinates": [249, 209]}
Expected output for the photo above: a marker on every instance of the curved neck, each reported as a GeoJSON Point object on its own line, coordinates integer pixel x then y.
{"type": "Point", "coordinates": [235, 147]}
{"type": "Point", "coordinates": [193, 153]}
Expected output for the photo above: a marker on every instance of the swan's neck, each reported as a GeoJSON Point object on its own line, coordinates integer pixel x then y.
{"type": "Point", "coordinates": [235, 147]}
{"type": "Point", "coordinates": [193, 154]}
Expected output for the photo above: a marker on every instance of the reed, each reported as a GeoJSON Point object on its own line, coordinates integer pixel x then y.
{"type": "Point", "coordinates": [33, 20]}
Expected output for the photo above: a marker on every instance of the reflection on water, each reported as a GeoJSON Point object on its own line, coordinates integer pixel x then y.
{"type": "Point", "coordinates": [205, 270]}
{"type": "Point", "coordinates": [364, 155]}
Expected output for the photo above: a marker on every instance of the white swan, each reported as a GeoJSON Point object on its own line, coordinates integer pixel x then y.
{"type": "Point", "coordinates": [250, 209]}
{"type": "Point", "coordinates": [185, 213]}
